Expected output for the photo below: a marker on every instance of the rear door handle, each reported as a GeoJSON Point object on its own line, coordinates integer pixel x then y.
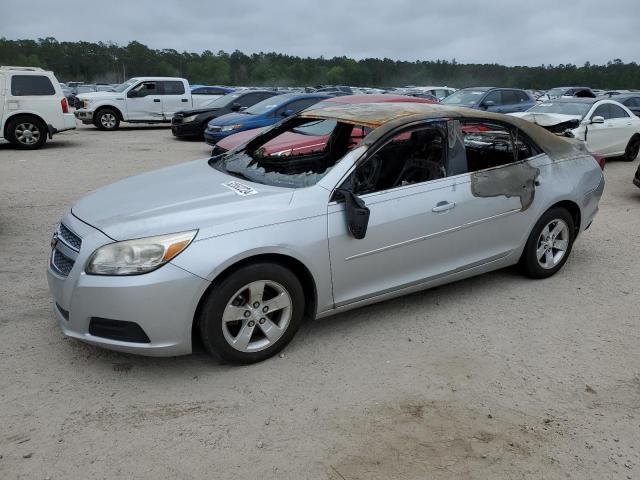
{"type": "Point", "coordinates": [156, 100]}
{"type": "Point", "coordinates": [443, 206]}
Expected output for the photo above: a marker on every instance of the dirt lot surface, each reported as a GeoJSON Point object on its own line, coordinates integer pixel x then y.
{"type": "Point", "coordinates": [497, 377]}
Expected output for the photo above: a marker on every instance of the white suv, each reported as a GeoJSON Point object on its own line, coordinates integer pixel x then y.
{"type": "Point", "coordinates": [32, 107]}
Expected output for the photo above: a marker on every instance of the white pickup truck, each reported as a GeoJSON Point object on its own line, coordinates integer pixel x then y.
{"type": "Point", "coordinates": [138, 100]}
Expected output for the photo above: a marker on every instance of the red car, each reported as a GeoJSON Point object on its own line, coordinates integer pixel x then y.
{"type": "Point", "coordinates": [312, 136]}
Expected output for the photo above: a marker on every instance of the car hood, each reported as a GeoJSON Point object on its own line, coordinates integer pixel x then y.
{"type": "Point", "coordinates": [201, 110]}
{"type": "Point", "coordinates": [98, 95]}
{"type": "Point", "coordinates": [183, 197]}
{"type": "Point", "coordinates": [546, 119]}
{"type": "Point", "coordinates": [233, 118]}
{"type": "Point", "coordinates": [285, 141]}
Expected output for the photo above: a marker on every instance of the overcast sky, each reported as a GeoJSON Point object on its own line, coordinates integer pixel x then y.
{"type": "Point", "coordinates": [511, 32]}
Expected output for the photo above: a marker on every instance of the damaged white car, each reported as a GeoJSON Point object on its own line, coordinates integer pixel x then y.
{"type": "Point", "coordinates": [607, 127]}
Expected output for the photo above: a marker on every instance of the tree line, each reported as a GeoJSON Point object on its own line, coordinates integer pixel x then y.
{"type": "Point", "coordinates": [112, 63]}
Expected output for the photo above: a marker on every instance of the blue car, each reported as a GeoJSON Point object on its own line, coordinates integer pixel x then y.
{"type": "Point", "coordinates": [262, 114]}
{"type": "Point", "coordinates": [210, 90]}
{"type": "Point", "coordinates": [491, 99]}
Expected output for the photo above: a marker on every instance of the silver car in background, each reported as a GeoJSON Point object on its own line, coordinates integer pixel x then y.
{"type": "Point", "coordinates": [238, 249]}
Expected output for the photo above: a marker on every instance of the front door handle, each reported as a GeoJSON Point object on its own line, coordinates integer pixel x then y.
{"type": "Point", "coordinates": [443, 207]}
{"type": "Point", "coordinates": [184, 100]}
{"type": "Point", "coordinates": [156, 100]}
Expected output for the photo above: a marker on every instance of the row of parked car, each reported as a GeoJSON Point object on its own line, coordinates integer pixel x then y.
{"type": "Point", "coordinates": [35, 108]}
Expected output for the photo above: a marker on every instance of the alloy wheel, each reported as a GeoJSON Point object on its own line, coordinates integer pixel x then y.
{"type": "Point", "coordinates": [553, 243]}
{"type": "Point", "coordinates": [108, 120]}
{"type": "Point", "coordinates": [256, 316]}
{"type": "Point", "coordinates": [27, 133]}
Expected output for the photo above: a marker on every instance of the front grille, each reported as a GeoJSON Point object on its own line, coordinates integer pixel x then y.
{"type": "Point", "coordinates": [61, 263]}
{"type": "Point", "coordinates": [69, 237]}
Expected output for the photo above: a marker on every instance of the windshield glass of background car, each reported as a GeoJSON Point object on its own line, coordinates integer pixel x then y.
{"type": "Point", "coordinates": [464, 97]}
{"type": "Point", "coordinates": [123, 86]}
{"type": "Point", "coordinates": [564, 108]}
{"type": "Point", "coordinates": [556, 92]}
{"type": "Point", "coordinates": [274, 159]}
{"type": "Point", "coordinates": [263, 106]}
{"type": "Point", "coordinates": [220, 102]}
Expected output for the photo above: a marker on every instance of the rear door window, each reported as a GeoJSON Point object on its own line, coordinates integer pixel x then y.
{"type": "Point", "coordinates": [617, 112]}
{"type": "Point", "coordinates": [510, 97]}
{"type": "Point", "coordinates": [27, 85]}
{"type": "Point", "coordinates": [172, 87]}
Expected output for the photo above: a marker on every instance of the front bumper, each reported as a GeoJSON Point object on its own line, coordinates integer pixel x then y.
{"type": "Point", "coordinates": [214, 137]}
{"type": "Point", "coordinates": [191, 129]}
{"type": "Point", "coordinates": [162, 302]}
{"type": "Point", "coordinates": [84, 115]}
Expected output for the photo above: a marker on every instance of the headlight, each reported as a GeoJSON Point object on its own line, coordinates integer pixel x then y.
{"type": "Point", "coordinates": [228, 128]}
{"type": "Point", "coordinates": [190, 118]}
{"type": "Point", "coordinates": [142, 255]}
{"type": "Point", "coordinates": [85, 103]}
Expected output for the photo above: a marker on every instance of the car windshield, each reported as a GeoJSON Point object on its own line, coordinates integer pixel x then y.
{"type": "Point", "coordinates": [123, 86]}
{"type": "Point", "coordinates": [264, 106]}
{"type": "Point", "coordinates": [296, 165]}
{"type": "Point", "coordinates": [464, 97]}
{"type": "Point", "coordinates": [223, 101]}
{"type": "Point", "coordinates": [564, 108]}
{"type": "Point", "coordinates": [556, 92]}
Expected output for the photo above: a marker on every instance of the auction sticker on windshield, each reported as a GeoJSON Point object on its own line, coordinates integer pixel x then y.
{"type": "Point", "coordinates": [240, 188]}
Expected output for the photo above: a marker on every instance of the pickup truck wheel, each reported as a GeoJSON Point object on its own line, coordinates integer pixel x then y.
{"type": "Point", "coordinates": [252, 314]}
{"type": "Point", "coordinates": [26, 132]}
{"type": "Point", "coordinates": [549, 244]}
{"type": "Point", "coordinates": [107, 119]}
{"type": "Point", "coordinates": [633, 147]}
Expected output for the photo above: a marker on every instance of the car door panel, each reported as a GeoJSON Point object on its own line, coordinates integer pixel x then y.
{"type": "Point", "coordinates": [175, 97]}
{"type": "Point", "coordinates": [147, 105]}
{"type": "Point", "coordinates": [404, 242]}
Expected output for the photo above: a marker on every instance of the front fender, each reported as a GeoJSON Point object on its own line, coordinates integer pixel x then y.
{"type": "Point", "coordinates": [304, 240]}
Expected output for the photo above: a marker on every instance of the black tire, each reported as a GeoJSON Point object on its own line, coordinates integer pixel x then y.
{"type": "Point", "coordinates": [106, 119]}
{"type": "Point", "coordinates": [222, 293]}
{"type": "Point", "coordinates": [26, 132]}
{"type": "Point", "coordinates": [632, 150]}
{"type": "Point", "coordinates": [529, 263]}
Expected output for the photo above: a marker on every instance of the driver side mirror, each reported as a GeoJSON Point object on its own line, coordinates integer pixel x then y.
{"type": "Point", "coordinates": [132, 94]}
{"type": "Point", "coordinates": [357, 214]}
{"type": "Point", "coordinates": [597, 119]}
{"type": "Point", "coordinates": [236, 107]}
{"type": "Point", "coordinates": [288, 113]}
{"type": "Point", "coordinates": [488, 103]}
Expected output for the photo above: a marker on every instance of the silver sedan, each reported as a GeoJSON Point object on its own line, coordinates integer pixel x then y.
{"type": "Point", "coordinates": [328, 210]}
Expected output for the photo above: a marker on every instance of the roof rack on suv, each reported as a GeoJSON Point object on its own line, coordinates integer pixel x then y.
{"type": "Point", "coordinates": [24, 69]}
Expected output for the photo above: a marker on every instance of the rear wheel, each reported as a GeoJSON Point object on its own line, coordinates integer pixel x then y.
{"type": "Point", "coordinates": [107, 119]}
{"type": "Point", "coordinates": [26, 132]}
{"type": "Point", "coordinates": [252, 314]}
{"type": "Point", "coordinates": [633, 147]}
{"type": "Point", "coordinates": [549, 244]}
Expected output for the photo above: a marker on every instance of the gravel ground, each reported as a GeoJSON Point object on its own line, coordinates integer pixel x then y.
{"type": "Point", "coordinates": [496, 377]}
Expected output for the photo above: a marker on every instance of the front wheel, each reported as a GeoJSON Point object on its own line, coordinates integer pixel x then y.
{"type": "Point", "coordinates": [107, 119]}
{"type": "Point", "coordinates": [549, 244]}
{"type": "Point", "coordinates": [252, 314]}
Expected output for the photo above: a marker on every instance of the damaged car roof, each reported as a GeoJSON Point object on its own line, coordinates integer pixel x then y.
{"type": "Point", "coordinates": [383, 117]}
